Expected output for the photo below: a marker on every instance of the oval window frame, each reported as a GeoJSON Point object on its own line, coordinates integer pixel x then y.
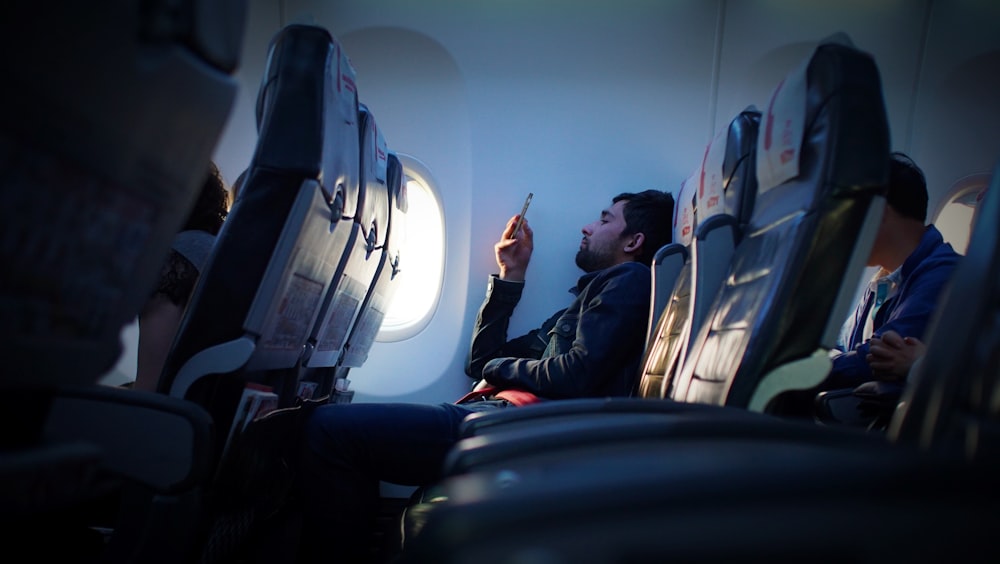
{"type": "Point", "coordinates": [965, 192]}
{"type": "Point", "coordinates": [393, 331]}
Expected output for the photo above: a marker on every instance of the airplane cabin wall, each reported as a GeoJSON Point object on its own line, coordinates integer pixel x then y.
{"type": "Point", "coordinates": [579, 100]}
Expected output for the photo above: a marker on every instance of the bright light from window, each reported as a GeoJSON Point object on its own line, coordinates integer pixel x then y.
{"type": "Point", "coordinates": [421, 258]}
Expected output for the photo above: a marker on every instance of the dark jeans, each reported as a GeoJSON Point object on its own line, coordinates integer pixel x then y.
{"type": "Point", "coordinates": [349, 448]}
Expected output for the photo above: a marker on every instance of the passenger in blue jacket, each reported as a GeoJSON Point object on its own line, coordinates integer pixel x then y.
{"type": "Point", "coordinates": [916, 264]}
{"type": "Point", "coordinates": [591, 348]}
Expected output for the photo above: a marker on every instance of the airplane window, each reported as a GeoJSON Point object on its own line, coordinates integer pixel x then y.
{"type": "Point", "coordinates": [954, 218]}
{"type": "Point", "coordinates": [421, 257]}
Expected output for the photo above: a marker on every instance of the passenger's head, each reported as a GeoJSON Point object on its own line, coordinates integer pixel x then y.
{"type": "Point", "coordinates": [907, 192]}
{"type": "Point", "coordinates": [212, 205]}
{"type": "Point", "coordinates": [902, 225]}
{"type": "Point", "coordinates": [632, 229]}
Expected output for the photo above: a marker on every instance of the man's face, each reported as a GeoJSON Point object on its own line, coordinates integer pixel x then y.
{"type": "Point", "coordinates": [603, 245]}
{"type": "Point", "coordinates": [882, 237]}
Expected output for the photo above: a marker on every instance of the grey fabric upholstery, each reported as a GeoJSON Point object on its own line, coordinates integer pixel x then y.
{"type": "Point", "coordinates": [387, 274]}
{"type": "Point", "coordinates": [356, 271]}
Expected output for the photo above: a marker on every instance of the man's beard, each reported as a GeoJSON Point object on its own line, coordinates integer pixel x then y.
{"type": "Point", "coordinates": [590, 261]}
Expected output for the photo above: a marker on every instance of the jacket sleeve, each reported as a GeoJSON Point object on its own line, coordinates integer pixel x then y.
{"type": "Point", "coordinates": [608, 334]}
{"type": "Point", "coordinates": [489, 337]}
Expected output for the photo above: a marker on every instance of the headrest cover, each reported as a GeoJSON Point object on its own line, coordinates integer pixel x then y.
{"type": "Point", "coordinates": [394, 176]}
{"type": "Point", "coordinates": [779, 144]}
{"type": "Point", "coordinates": [711, 198]}
{"type": "Point", "coordinates": [374, 149]}
{"type": "Point", "coordinates": [347, 90]}
{"type": "Point", "coordinates": [381, 154]}
{"type": "Point", "coordinates": [684, 209]}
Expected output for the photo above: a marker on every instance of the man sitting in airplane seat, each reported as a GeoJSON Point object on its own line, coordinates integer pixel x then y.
{"type": "Point", "coordinates": [916, 264]}
{"type": "Point", "coordinates": [161, 315]}
{"type": "Point", "coordinates": [892, 355]}
{"type": "Point", "coordinates": [592, 348]}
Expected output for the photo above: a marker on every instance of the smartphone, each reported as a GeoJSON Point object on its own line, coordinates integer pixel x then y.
{"type": "Point", "coordinates": [520, 217]}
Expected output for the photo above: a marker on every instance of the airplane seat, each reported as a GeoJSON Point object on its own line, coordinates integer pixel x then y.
{"type": "Point", "coordinates": [665, 268]}
{"type": "Point", "coordinates": [238, 349]}
{"type": "Point", "coordinates": [949, 402]}
{"type": "Point", "coordinates": [274, 259]}
{"type": "Point", "coordinates": [727, 187]}
{"type": "Point", "coordinates": [822, 164]}
{"type": "Point", "coordinates": [356, 272]}
{"type": "Point", "coordinates": [388, 273]}
{"type": "Point", "coordinates": [671, 274]}
{"type": "Point", "coordinates": [105, 143]}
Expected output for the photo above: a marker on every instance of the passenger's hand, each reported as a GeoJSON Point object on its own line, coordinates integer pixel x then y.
{"type": "Point", "coordinates": [891, 356]}
{"type": "Point", "coordinates": [513, 255]}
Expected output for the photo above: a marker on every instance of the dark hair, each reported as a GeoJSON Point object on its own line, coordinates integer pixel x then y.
{"type": "Point", "coordinates": [651, 213]}
{"type": "Point", "coordinates": [907, 192]}
{"type": "Point", "coordinates": [212, 206]}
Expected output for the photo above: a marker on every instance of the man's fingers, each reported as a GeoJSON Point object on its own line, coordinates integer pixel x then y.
{"type": "Point", "coordinates": [892, 339]}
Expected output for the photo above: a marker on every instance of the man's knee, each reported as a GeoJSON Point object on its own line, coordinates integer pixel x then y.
{"type": "Point", "coordinates": [328, 427]}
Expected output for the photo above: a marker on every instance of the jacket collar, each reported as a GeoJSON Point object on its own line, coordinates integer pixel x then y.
{"type": "Point", "coordinates": [930, 241]}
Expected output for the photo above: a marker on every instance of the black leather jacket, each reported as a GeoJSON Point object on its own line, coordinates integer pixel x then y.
{"type": "Point", "coordinates": [590, 349]}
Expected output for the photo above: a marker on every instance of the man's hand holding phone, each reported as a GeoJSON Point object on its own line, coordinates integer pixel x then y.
{"type": "Point", "coordinates": [520, 217]}
{"type": "Point", "coordinates": [513, 251]}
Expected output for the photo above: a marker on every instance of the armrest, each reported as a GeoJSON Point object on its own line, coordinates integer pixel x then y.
{"type": "Point", "coordinates": [37, 479]}
{"type": "Point", "coordinates": [158, 441]}
{"type": "Point", "coordinates": [701, 422]}
{"type": "Point", "coordinates": [537, 415]}
{"type": "Point", "coordinates": [869, 405]}
{"type": "Point", "coordinates": [490, 420]}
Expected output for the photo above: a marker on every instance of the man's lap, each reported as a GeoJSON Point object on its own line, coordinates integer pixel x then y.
{"type": "Point", "coordinates": [403, 443]}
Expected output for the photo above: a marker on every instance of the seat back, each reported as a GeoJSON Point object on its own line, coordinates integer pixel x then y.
{"type": "Point", "coordinates": [671, 272]}
{"type": "Point", "coordinates": [668, 263]}
{"type": "Point", "coordinates": [240, 344]}
{"type": "Point", "coordinates": [388, 274]}
{"type": "Point", "coordinates": [715, 191]}
{"type": "Point", "coordinates": [726, 193]}
{"type": "Point", "coordinates": [822, 165]}
{"type": "Point", "coordinates": [275, 257]}
{"type": "Point", "coordinates": [105, 140]}
{"type": "Point", "coordinates": [355, 273]}
{"type": "Point", "coordinates": [92, 199]}
{"type": "Point", "coordinates": [950, 403]}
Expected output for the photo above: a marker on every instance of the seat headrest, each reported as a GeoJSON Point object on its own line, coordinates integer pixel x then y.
{"type": "Point", "coordinates": [711, 198]}
{"type": "Point", "coordinates": [779, 144]}
{"type": "Point", "coordinates": [684, 209]}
